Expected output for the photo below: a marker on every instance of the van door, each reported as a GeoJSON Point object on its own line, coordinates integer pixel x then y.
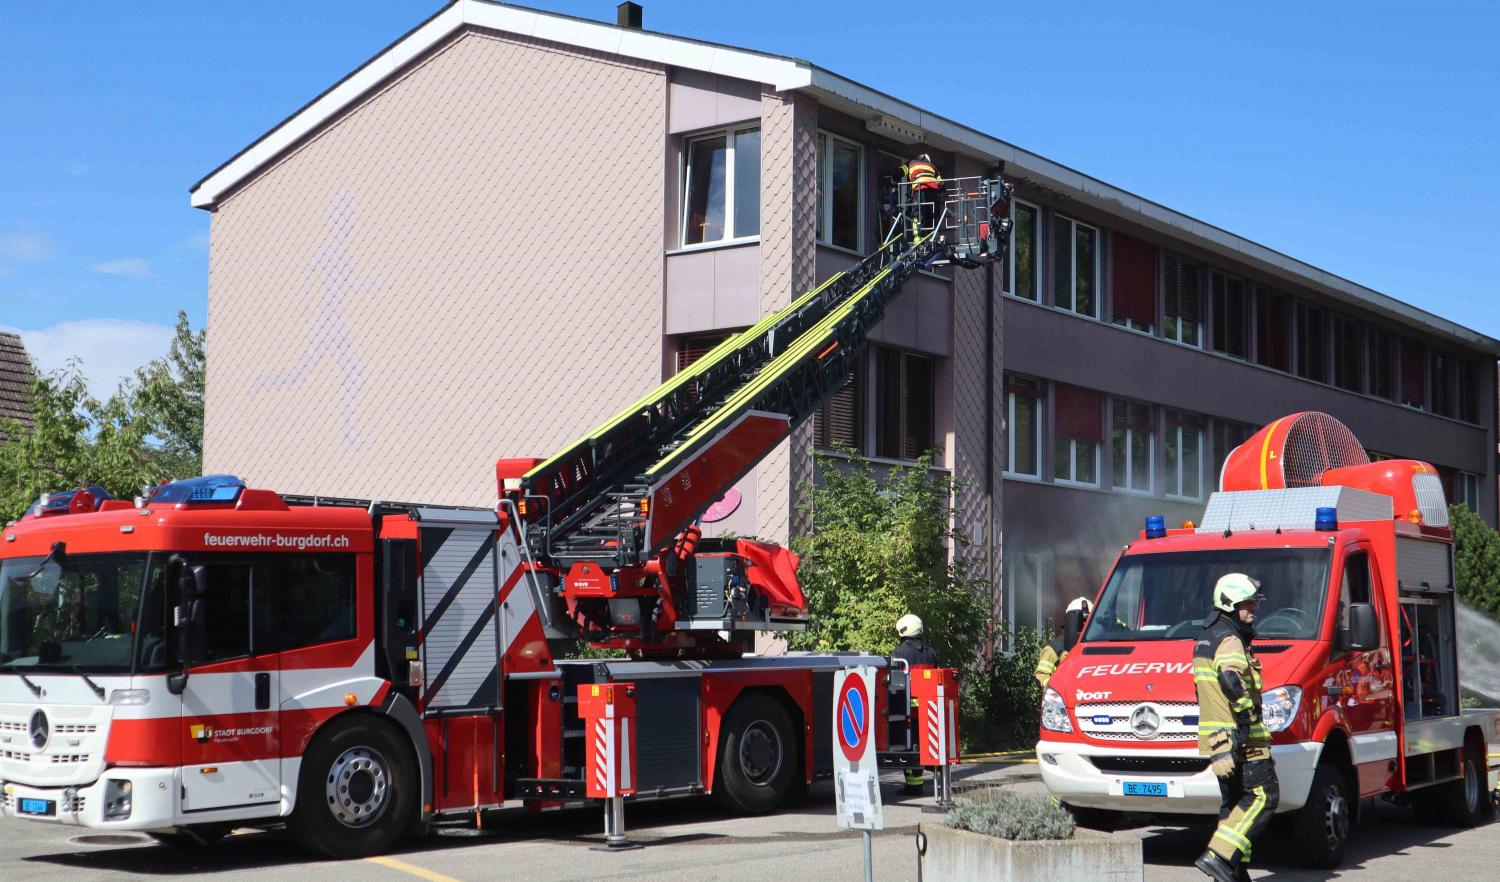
{"type": "Point", "coordinates": [231, 745]}
{"type": "Point", "coordinates": [1364, 684]}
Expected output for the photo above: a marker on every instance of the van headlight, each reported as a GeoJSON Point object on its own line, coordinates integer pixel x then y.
{"type": "Point", "coordinates": [1278, 707]}
{"type": "Point", "coordinates": [116, 799]}
{"type": "Point", "coordinates": [1054, 712]}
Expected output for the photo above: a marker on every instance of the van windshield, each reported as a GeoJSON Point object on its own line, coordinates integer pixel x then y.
{"type": "Point", "coordinates": [78, 612]}
{"type": "Point", "coordinates": [1167, 596]}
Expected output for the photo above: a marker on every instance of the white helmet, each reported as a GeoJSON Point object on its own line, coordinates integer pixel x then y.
{"type": "Point", "coordinates": [1081, 604]}
{"type": "Point", "coordinates": [909, 625]}
{"type": "Point", "coordinates": [1235, 588]}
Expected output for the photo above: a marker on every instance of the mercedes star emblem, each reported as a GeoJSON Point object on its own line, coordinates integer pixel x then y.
{"type": "Point", "coordinates": [1144, 721]}
{"type": "Point", "coordinates": [40, 730]}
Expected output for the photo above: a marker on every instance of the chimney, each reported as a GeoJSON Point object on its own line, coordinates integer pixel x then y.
{"type": "Point", "coordinates": [628, 15]}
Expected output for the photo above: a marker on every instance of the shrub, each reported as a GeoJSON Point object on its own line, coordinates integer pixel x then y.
{"type": "Point", "coordinates": [1476, 560]}
{"type": "Point", "coordinates": [1001, 700]}
{"type": "Point", "coordinates": [1008, 815]}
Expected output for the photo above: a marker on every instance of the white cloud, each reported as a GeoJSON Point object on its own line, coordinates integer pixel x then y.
{"type": "Point", "coordinates": [25, 247]}
{"type": "Point", "coordinates": [109, 349]}
{"type": "Point", "coordinates": [133, 267]}
{"type": "Point", "coordinates": [196, 243]}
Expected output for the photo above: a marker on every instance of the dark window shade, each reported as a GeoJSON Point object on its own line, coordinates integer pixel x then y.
{"type": "Point", "coordinates": [1022, 387]}
{"type": "Point", "coordinates": [1413, 374]}
{"type": "Point", "coordinates": [1135, 280]}
{"type": "Point", "coordinates": [1468, 397]}
{"type": "Point", "coordinates": [1273, 343]}
{"type": "Point", "coordinates": [1133, 415]}
{"type": "Point", "coordinates": [1348, 355]}
{"type": "Point", "coordinates": [1231, 317]}
{"type": "Point", "coordinates": [1442, 398]}
{"type": "Point", "coordinates": [1382, 345]}
{"type": "Point", "coordinates": [839, 421]}
{"type": "Point", "coordinates": [1079, 414]}
{"type": "Point", "coordinates": [1184, 294]}
{"type": "Point", "coordinates": [904, 395]}
{"type": "Point", "coordinates": [1178, 419]}
{"type": "Point", "coordinates": [694, 348]}
{"type": "Point", "coordinates": [1312, 347]}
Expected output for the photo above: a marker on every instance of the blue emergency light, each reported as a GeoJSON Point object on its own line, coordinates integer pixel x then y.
{"type": "Point", "coordinates": [209, 488]}
{"type": "Point", "coordinates": [60, 503]}
{"type": "Point", "coordinates": [1156, 527]}
{"type": "Point", "coordinates": [1327, 519]}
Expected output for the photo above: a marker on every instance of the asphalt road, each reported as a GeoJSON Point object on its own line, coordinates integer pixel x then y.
{"type": "Point", "coordinates": [692, 840]}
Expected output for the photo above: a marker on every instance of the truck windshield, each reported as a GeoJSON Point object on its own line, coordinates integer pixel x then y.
{"type": "Point", "coordinates": [1167, 596]}
{"type": "Point", "coordinates": [77, 613]}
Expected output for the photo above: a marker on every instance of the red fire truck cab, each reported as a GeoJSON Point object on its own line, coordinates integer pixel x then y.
{"type": "Point", "coordinates": [1356, 639]}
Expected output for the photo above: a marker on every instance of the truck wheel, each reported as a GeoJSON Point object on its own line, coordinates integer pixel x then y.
{"type": "Point", "coordinates": [356, 793]}
{"type": "Point", "coordinates": [757, 755]}
{"type": "Point", "coordinates": [1323, 823]}
{"type": "Point", "coordinates": [1464, 802]}
{"type": "Point", "coordinates": [195, 838]}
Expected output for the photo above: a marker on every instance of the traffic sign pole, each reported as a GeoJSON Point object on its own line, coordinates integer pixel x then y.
{"type": "Point", "coordinates": [856, 783]}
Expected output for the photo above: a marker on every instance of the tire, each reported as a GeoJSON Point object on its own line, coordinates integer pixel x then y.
{"type": "Point", "coordinates": [199, 837]}
{"type": "Point", "coordinates": [357, 792]}
{"type": "Point", "coordinates": [1465, 803]}
{"type": "Point", "coordinates": [1322, 825]}
{"type": "Point", "coordinates": [758, 756]}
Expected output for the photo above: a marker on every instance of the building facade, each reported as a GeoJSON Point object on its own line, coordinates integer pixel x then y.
{"type": "Point", "coordinates": [15, 383]}
{"type": "Point", "coordinates": [508, 224]}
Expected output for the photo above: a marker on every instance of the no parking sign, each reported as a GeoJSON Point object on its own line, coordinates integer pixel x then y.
{"type": "Point", "coordinates": [856, 776]}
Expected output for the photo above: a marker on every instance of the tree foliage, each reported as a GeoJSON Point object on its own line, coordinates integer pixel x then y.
{"type": "Point", "coordinates": [1476, 560]}
{"type": "Point", "coordinates": [149, 430]}
{"type": "Point", "coordinates": [878, 548]}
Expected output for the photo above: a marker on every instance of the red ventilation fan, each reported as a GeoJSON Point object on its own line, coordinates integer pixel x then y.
{"type": "Point", "coordinates": [1294, 451]}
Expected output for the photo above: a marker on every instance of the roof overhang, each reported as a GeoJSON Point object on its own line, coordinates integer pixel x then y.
{"type": "Point", "coordinates": [788, 74]}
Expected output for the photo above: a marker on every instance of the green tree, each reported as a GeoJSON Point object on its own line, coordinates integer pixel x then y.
{"type": "Point", "coordinates": [1476, 560]}
{"type": "Point", "coordinates": [878, 548]}
{"type": "Point", "coordinates": [150, 429]}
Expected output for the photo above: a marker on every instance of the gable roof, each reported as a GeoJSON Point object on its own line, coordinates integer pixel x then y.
{"type": "Point", "coordinates": [15, 381]}
{"type": "Point", "coordinates": [791, 74]}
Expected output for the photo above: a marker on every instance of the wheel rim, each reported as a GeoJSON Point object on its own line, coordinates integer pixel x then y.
{"type": "Point", "coordinates": [1335, 816]}
{"type": "Point", "coordinates": [1472, 788]}
{"type": "Point", "coordinates": [358, 787]}
{"type": "Point", "coordinates": [760, 753]}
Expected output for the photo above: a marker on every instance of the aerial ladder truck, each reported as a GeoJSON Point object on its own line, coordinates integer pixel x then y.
{"type": "Point", "coordinates": [211, 655]}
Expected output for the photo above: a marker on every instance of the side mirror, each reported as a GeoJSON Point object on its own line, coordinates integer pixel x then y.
{"type": "Point", "coordinates": [192, 585]}
{"type": "Point", "coordinates": [1363, 633]}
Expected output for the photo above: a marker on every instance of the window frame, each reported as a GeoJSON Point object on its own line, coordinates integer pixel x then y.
{"type": "Point", "coordinates": [1073, 480]}
{"type": "Point", "coordinates": [1072, 242]}
{"type": "Point", "coordinates": [730, 237]}
{"type": "Point", "coordinates": [1167, 471]}
{"type": "Point", "coordinates": [1219, 282]}
{"type": "Point", "coordinates": [879, 416]}
{"type": "Point", "coordinates": [1172, 325]}
{"type": "Point", "coordinates": [1009, 470]}
{"type": "Point", "coordinates": [1129, 454]}
{"type": "Point", "coordinates": [824, 171]}
{"type": "Point", "coordinates": [1008, 283]}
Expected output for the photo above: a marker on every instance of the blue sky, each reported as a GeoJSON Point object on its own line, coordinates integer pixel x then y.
{"type": "Point", "coordinates": [1363, 138]}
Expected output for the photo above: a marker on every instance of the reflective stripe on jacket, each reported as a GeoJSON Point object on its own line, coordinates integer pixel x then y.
{"type": "Point", "coordinates": [923, 176]}
{"type": "Point", "coordinates": [1221, 649]}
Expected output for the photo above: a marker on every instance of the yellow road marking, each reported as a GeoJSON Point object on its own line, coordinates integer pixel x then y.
{"type": "Point", "coordinates": [411, 869]}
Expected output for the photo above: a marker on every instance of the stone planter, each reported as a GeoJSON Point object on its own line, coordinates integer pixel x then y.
{"type": "Point", "coordinates": [962, 856]}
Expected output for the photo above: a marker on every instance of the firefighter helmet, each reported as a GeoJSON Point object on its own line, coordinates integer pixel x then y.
{"type": "Point", "coordinates": [1081, 604]}
{"type": "Point", "coordinates": [1233, 589]}
{"type": "Point", "coordinates": [909, 625]}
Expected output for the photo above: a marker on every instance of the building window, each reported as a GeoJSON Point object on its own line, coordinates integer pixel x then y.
{"type": "Point", "coordinates": [1273, 329]}
{"type": "Point", "coordinates": [1467, 393]}
{"type": "Point", "coordinates": [1227, 435]}
{"type": "Point", "coordinates": [1184, 449]}
{"type": "Point", "coordinates": [1382, 345]}
{"type": "Point", "coordinates": [1466, 490]}
{"type": "Point", "coordinates": [1075, 266]}
{"type": "Point", "coordinates": [1413, 374]}
{"type": "Point", "coordinates": [1020, 275]}
{"type": "Point", "coordinates": [690, 349]}
{"type": "Point", "coordinates": [839, 423]}
{"type": "Point", "coordinates": [905, 389]}
{"type": "Point", "coordinates": [1023, 427]}
{"type": "Point", "coordinates": [1078, 430]}
{"type": "Point", "coordinates": [1231, 315]}
{"type": "Point", "coordinates": [1348, 355]}
{"type": "Point", "coordinates": [1134, 300]}
{"type": "Point", "coordinates": [721, 187]}
{"type": "Point", "coordinates": [1312, 348]}
{"type": "Point", "coordinates": [1183, 287]}
{"type": "Point", "coordinates": [1132, 442]}
{"type": "Point", "coordinates": [840, 191]}
{"type": "Point", "coordinates": [1442, 370]}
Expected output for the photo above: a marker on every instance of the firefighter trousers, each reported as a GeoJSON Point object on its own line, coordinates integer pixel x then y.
{"type": "Point", "coordinates": [1250, 794]}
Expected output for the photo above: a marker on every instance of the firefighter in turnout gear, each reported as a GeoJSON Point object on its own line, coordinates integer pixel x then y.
{"type": "Point", "coordinates": [1053, 653]}
{"type": "Point", "coordinates": [1230, 729]}
{"type": "Point", "coordinates": [915, 652]}
{"type": "Point", "coordinates": [926, 190]}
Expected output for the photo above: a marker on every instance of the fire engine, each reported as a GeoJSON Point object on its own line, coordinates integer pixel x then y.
{"type": "Point", "coordinates": [211, 654]}
{"type": "Point", "coordinates": [1357, 639]}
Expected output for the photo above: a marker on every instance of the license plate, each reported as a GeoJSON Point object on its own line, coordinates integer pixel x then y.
{"type": "Point", "coordinates": [1145, 788]}
{"type": "Point", "coordinates": [37, 807]}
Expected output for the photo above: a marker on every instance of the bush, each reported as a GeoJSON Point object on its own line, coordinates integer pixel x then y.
{"type": "Point", "coordinates": [1007, 815]}
{"type": "Point", "coordinates": [1001, 701]}
{"type": "Point", "coordinates": [1476, 560]}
